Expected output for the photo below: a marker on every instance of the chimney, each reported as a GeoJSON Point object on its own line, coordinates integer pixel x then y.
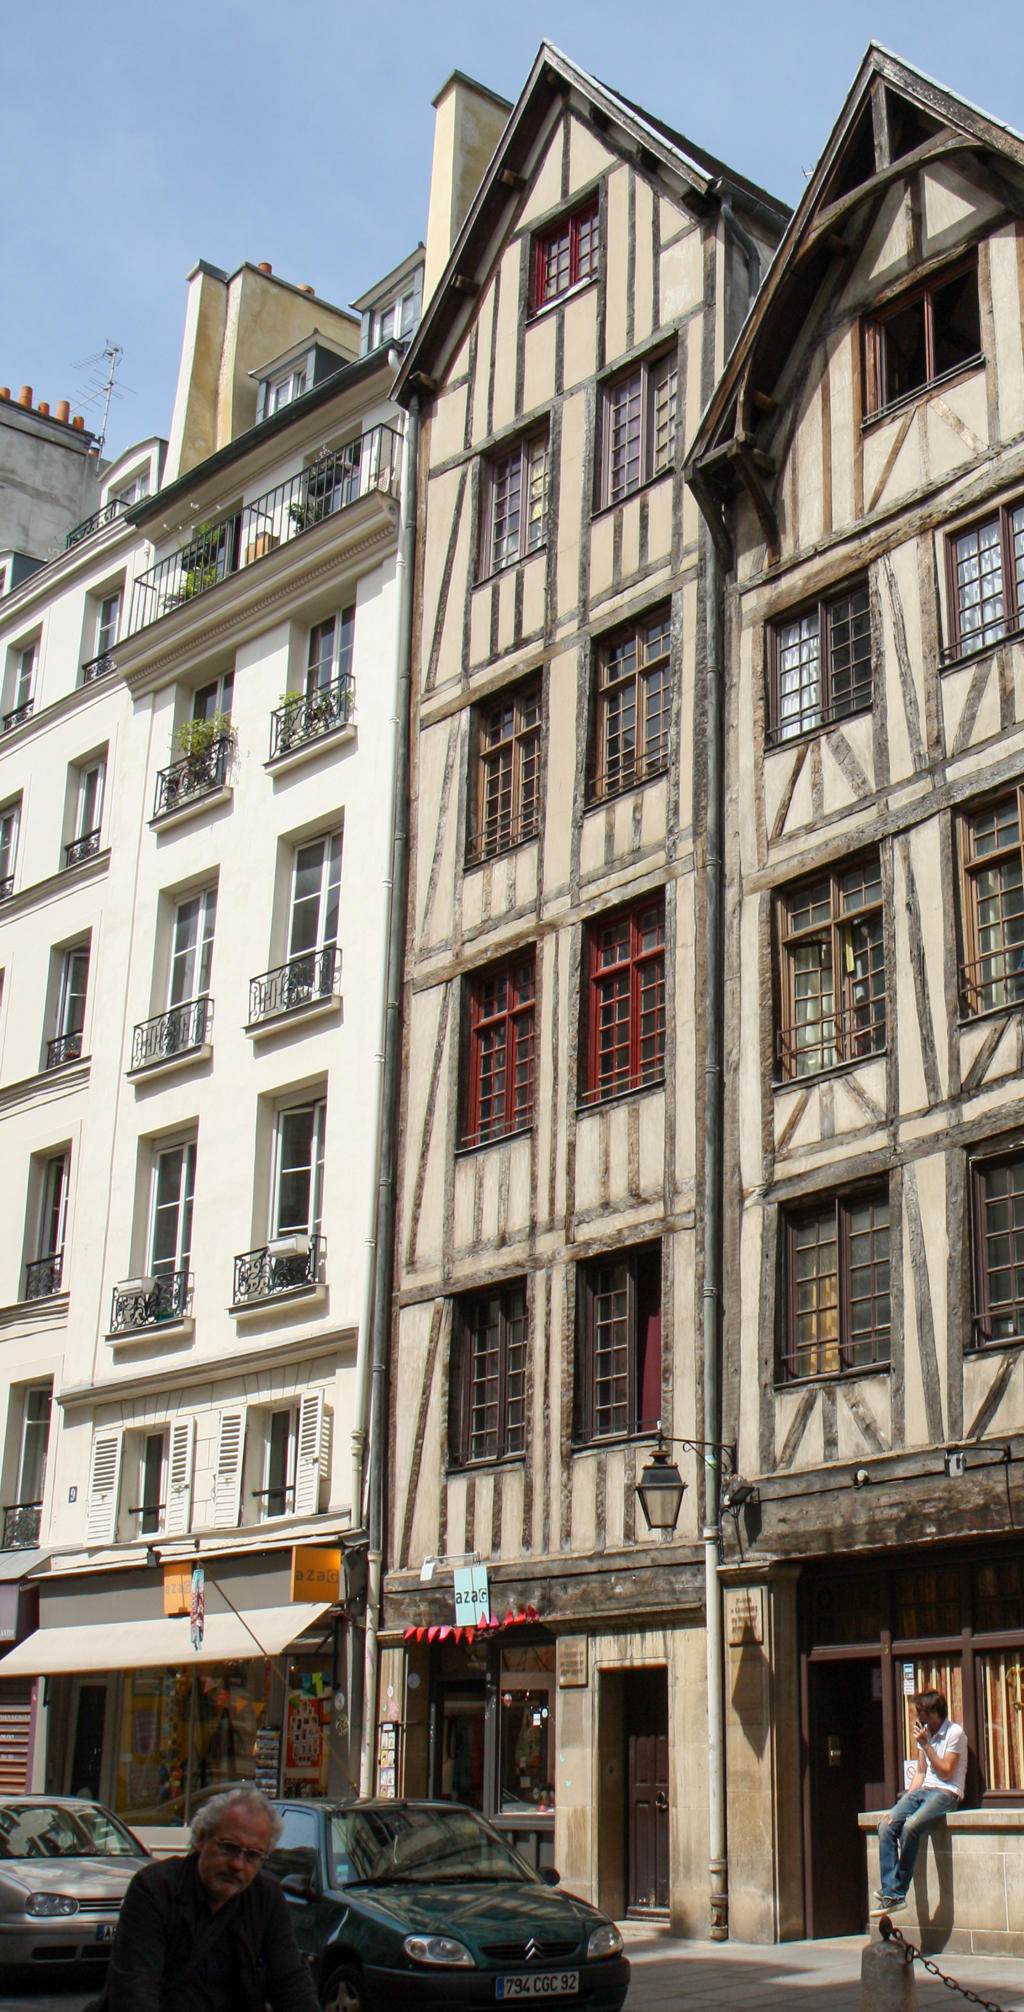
{"type": "Point", "coordinates": [264, 266]}
{"type": "Point", "coordinates": [307, 289]}
{"type": "Point", "coordinates": [25, 395]}
{"type": "Point", "coordinates": [5, 391]}
{"type": "Point", "coordinates": [43, 408]}
{"type": "Point", "coordinates": [468, 123]}
{"type": "Point", "coordinates": [64, 411]}
{"type": "Point", "coordinates": [79, 422]}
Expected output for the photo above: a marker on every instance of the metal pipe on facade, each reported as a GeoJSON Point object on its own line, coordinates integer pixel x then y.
{"type": "Point", "coordinates": [711, 1310]}
{"type": "Point", "coordinates": [390, 1088]}
{"type": "Point", "coordinates": [747, 246]}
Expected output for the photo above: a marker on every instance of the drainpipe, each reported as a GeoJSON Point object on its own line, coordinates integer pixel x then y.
{"type": "Point", "coordinates": [391, 1083]}
{"type": "Point", "coordinates": [711, 1311]}
{"type": "Point", "coordinates": [742, 236]}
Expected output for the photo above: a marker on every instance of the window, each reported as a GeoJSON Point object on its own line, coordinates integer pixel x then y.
{"type": "Point", "coordinates": [399, 316]}
{"type": "Point", "coordinates": [566, 255]}
{"type": "Point", "coordinates": [313, 935]}
{"type": "Point", "coordinates": [487, 1417]}
{"type": "Point", "coordinates": [88, 782]}
{"type": "Point", "coordinates": [66, 1045]}
{"type": "Point", "coordinates": [638, 427]}
{"type": "Point", "coordinates": [515, 513]}
{"type": "Point", "coordinates": [986, 581]}
{"type": "Point", "coordinates": [992, 975]}
{"type": "Point", "coordinates": [505, 808]}
{"type": "Point", "coordinates": [277, 1495]}
{"type": "Point", "coordinates": [284, 389]}
{"type": "Point", "coordinates": [833, 970]}
{"type": "Point", "coordinates": [108, 623]}
{"type": "Point", "coordinates": [998, 1218]}
{"type": "Point", "coordinates": [195, 920]}
{"type": "Point", "coordinates": [632, 706]}
{"type": "Point", "coordinates": [43, 1271]}
{"type": "Point", "coordinates": [170, 1246]}
{"type": "Point", "coordinates": [625, 1021]}
{"type": "Point", "coordinates": [925, 335]}
{"type": "Point", "coordinates": [134, 490]}
{"type": "Point", "coordinates": [835, 1296]}
{"type": "Point", "coordinates": [213, 701]}
{"type": "Point", "coordinates": [330, 651]}
{"type": "Point", "coordinates": [499, 1097]}
{"type": "Point", "coordinates": [22, 687]}
{"type": "Point", "coordinates": [151, 1507]}
{"type": "Point", "coordinates": [37, 1402]}
{"type": "Point", "coordinates": [298, 1199]}
{"type": "Point", "coordinates": [820, 666]}
{"type": "Point", "coordinates": [618, 1344]}
{"type": "Point", "coordinates": [9, 821]}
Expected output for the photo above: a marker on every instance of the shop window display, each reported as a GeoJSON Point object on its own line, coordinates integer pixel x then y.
{"type": "Point", "coordinates": [163, 1719]}
{"type": "Point", "coordinates": [527, 1735]}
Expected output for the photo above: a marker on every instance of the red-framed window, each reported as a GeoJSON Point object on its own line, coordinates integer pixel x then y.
{"type": "Point", "coordinates": [618, 1344]}
{"type": "Point", "coordinates": [500, 1059]}
{"type": "Point", "coordinates": [505, 796]}
{"type": "Point", "coordinates": [487, 1401]}
{"type": "Point", "coordinates": [625, 1022]}
{"type": "Point", "coordinates": [566, 255]}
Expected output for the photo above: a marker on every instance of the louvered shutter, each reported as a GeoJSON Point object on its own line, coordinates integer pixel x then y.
{"type": "Point", "coordinates": [311, 1464]}
{"type": "Point", "coordinates": [178, 1515]}
{"type": "Point", "coordinates": [104, 1480]}
{"type": "Point", "coordinates": [227, 1485]}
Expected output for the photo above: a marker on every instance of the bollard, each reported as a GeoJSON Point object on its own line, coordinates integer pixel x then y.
{"type": "Point", "coordinates": [886, 1979]}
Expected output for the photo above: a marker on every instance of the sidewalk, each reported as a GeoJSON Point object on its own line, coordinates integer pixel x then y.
{"type": "Point", "coordinates": [790, 1976]}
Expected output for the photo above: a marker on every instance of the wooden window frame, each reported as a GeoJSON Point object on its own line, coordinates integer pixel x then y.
{"type": "Point", "coordinates": [642, 966]}
{"type": "Point", "coordinates": [992, 979]}
{"type": "Point", "coordinates": [857, 1034]}
{"type": "Point", "coordinates": [792, 1359]}
{"type": "Point", "coordinates": [632, 1403]}
{"type": "Point", "coordinates": [505, 772]}
{"type": "Point", "coordinates": [1011, 563]}
{"type": "Point", "coordinates": [611, 772]}
{"type": "Point", "coordinates": [985, 1311]}
{"type": "Point", "coordinates": [876, 368]}
{"type": "Point", "coordinates": [468, 1444]}
{"type": "Point", "coordinates": [498, 550]}
{"type": "Point", "coordinates": [513, 1027]}
{"type": "Point", "coordinates": [829, 609]}
{"type": "Point", "coordinates": [653, 458]}
{"type": "Point", "coordinates": [581, 230]}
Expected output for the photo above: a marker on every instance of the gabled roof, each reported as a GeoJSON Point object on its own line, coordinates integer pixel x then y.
{"type": "Point", "coordinates": [689, 171]}
{"type": "Point", "coordinates": [894, 119]}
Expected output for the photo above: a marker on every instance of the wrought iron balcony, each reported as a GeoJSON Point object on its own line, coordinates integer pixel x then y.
{"type": "Point", "coordinates": [107, 515]}
{"type": "Point", "coordinates": [176, 1032]}
{"type": "Point", "coordinates": [82, 848]}
{"type": "Point", "coordinates": [310, 714]}
{"type": "Point", "coordinates": [197, 775]}
{"type": "Point", "coordinates": [19, 715]}
{"type": "Point", "coordinates": [42, 1276]}
{"type": "Point", "coordinates": [303, 981]}
{"type": "Point", "coordinates": [94, 667]}
{"type": "Point", "coordinates": [6, 885]}
{"type": "Point", "coordinates": [284, 1264]}
{"type": "Point", "coordinates": [64, 1048]}
{"type": "Point", "coordinates": [21, 1526]}
{"type": "Point", "coordinates": [150, 1302]}
{"type": "Point", "coordinates": [363, 467]}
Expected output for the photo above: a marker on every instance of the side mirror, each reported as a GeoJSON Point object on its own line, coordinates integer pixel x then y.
{"type": "Point", "coordinates": [299, 1885]}
{"type": "Point", "coordinates": [548, 1876]}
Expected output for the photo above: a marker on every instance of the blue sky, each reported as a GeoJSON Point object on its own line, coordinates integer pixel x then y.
{"type": "Point", "coordinates": [135, 140]}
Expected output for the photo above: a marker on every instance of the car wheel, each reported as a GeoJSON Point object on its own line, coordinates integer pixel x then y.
{"type": "Point", "coordinates": [343, 1992]}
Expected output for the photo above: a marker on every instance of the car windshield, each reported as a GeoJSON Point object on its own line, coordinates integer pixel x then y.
{"type": "Point", "coordinates": [432, 1845]}
{"type": "Point", "coordinates": [47, 1830]}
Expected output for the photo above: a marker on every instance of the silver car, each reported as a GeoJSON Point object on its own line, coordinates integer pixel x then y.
{"type": "Point", "coordinates": [64, 1867]}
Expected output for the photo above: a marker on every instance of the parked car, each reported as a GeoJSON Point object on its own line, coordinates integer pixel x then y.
{"type": "Point", "coordinates": [64, 1865]}
{"type": "Point", "coordinates": [422, 1903]}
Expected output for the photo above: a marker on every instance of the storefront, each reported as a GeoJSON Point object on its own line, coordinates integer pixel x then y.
{"type": "Point", "coordinates": [19, 1695]}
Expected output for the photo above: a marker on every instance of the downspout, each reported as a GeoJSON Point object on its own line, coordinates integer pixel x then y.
{"type": "Point", "coordinates": [743, 239]}
{"type": "Point", "coordinates": [385, 1224]}
{"type": "Point", "coordinates": [711, 1321]}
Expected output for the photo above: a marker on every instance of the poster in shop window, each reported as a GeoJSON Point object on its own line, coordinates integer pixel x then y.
{"type": "Point", "coordinates": [306, 1746]}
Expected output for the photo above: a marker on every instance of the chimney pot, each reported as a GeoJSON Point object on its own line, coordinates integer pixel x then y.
{"type": "Point", "coordinates": [307, 289]}
{"type": "Point", "coordinates": [5, 390]}
{"type": "Point", "coordinates": [64, 411]}
{"type": "Point", "coordinates": [79, 422]}
{"type": "Point", "coordinates": [44, 408]}
{"type": "Point", "coordinates": [265, 266]}
{"type": "Point", "coordinates": [25, 395]}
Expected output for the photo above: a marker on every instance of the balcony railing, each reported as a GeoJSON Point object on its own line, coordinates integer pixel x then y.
{"type": "Point", "coordinates": [82, 848]}
{"type": "Point", "coordinates": [94, 667]}
{"type": "Point", "coordinates": [64, 1048]}
{"type": "Point", "coordinates": [42, 1276]}
{"type": "Point", "coordinates": [150, 1302]}
{"type": "Point", "coordinates": [360, 468]}
{"type": "Point", "coordinates": [15, 719]}
{"type": "Point", "coordinates": [6, 885]}
{"type": "Point", "coordinates": [274, 1501]}
{"type": "Point", "coordinates": [176, 1032]}
{"type": "Point", "coordinates": [308, 715]}
{"type": "Point", "coordinates": [300, 982]}
{"type": "Point", "coordinates": [287, 1262]}
{"type": "Point", "coordinates": [196, 775]}
{"type": "Point", "coordinates": [21, 1526]}
{"type": "Point", "coordinates": [151, 1517]}
{"type": "Point", "coordinates": [107, 515]}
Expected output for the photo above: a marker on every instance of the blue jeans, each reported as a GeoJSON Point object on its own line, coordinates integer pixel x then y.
{"type": "Point", "coordinates": [899, 1835]}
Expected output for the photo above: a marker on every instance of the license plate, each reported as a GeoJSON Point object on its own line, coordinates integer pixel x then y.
{"type": "Point", "coordinates": [105, 1931]}
{"type": "Point", "coordinates": [549, 1984]}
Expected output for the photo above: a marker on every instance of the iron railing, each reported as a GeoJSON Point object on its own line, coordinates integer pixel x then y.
{"type": "Point", "coordinates": [842, 1033]}
{"type": "Point", "coordinates": [64, 1048]}
{"type": "Point", "coordinates": [995, 980]}
{"type": "Point", "coordinates": [150, 1303]}
{"type": "Point", "coordinates": [22, 1522]}
{"type": "Point", "coordinates": [6, 885]}
{"type": "Point", "coordinates": [150, 1515]}
{"type": "Point", "coordinates": [107, 515]}
{"type": "Point", "coordinates": [82, 848]}
{"type": "Point", "coordinates": [262, 1273]}
{"type": "Point", "coordinates": [15, 719]}
{"type": "Point", "coordinates": [310, 714]}
{"type": "Point", "coordinates": [501, 834]}
{"type": "Point", "coordinates": [172, 1033]}
{"type": "Point", "coordinates": [335, 480]}
{"type": "Point", "coordinates": [94, 667]}
{"type": "Point", "coordinates": [196, 775]}
{"type": "Point", "coordinates": [42, 1275]}
{"type": "Point", "coordinates": [301, 982]}
{"type": "Point", "coordinates": [275, 1501]}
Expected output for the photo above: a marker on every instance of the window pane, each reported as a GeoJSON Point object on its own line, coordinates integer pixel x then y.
{"type": "Point", "coordinates": [814, 1341]}
{"type": "Point", "coordinates": [849, 621]}
{"type": "Point", "coordinates": [1002, 1250]}
{"type": "Point", "coordinates": [904, 352]}
{"type": "Point", "coordinates": [625, 409]}
{"type": "Point", "coordinates": [663, 414]}
{"type": "Point", "coordinates": [507, 504]}
{"type": "Point", "coordinates": [979, 584]}
{"type": "Point", "coordinates": [800, 698]}
{"type": "Point", "coordinates": [956, 322]}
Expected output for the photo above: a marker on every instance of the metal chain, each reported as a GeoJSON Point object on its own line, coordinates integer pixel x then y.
{"type": "Point", "coordinates": [889, 1933]}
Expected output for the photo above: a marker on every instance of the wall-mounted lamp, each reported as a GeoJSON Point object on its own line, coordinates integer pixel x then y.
{"type": "Point", "coordinates": [152, 1557]}
{"type": "Point", "coordinates": [956, 1462]}
{"type": "Point", "coordinates": [661, 1487]}
{"type": "Point", "coordinates": [861, 1477]}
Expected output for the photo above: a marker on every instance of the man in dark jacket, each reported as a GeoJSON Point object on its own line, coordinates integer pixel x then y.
{"type": "Point", "coordinates": [210, 1932]}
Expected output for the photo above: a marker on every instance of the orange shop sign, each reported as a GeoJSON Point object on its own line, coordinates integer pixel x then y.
{"type": "Point", "coordinates": [316, 1572]}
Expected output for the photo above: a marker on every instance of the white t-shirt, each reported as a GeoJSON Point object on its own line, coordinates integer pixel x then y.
{"type": "Point", "coordinates": [950, 1739]}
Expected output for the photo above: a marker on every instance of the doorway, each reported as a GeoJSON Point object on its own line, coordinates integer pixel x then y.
{"type": "Point", "coordinates": [88, 1717]}
{"type": "Point", "coordinates": [845, 1774]}
{"type": "Point", "coordinates": [645, 1724]}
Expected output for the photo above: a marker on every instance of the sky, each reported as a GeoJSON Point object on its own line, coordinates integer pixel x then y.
{"type": "Point", "coordinates": [137, 139]}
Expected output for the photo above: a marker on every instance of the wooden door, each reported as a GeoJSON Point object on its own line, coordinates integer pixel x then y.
{"type": "Point", "coordinates": [845, 1774]}
{"type": "Point", "coordinates": [647, 1834]}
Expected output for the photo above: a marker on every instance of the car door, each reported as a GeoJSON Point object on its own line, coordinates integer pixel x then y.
{"type": "Point", "coordinates": [297, 1851]}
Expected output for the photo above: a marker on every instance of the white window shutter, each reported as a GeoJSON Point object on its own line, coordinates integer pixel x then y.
{"type": "Point", "coordinates": [104, 1480]}
{"type": "Point", "coordinates": [178, 1514]}
{"type": "Point", "coordinates": [227, 1484]}
{"type": "Point", "coordinates": [311, 1464]}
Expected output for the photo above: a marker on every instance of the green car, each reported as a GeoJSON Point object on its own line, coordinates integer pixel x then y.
{"type": "Point", "coordinates": [422, 1903]}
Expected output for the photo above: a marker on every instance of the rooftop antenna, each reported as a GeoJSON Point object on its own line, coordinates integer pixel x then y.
{"type": "Point", "coordinates": [104, 385]}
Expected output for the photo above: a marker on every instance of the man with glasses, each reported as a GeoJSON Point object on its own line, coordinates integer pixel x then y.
{"type": "Point", "coordinates": [210, 1932]}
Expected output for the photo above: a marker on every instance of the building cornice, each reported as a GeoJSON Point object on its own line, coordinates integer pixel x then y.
{"type": "Point", "coordinates": [44, 892]}
{"type": "Point", "coordinates": [188, 1377]}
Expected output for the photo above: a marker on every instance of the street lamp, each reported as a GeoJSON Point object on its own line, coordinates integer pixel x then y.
{"type": "Point", "coordinates": [661, 1486]}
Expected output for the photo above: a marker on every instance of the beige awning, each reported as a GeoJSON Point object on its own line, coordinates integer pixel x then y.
{"type": "Point", "coordinates": [163, 1643]}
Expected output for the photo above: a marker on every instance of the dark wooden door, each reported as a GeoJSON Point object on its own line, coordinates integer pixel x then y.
{"type": "Point", "coordinates": [87, 1752]}
{"type": "Point", "coordinates": [645, 1720]}
{"type": "Point", "coordinates": [846, 1773]}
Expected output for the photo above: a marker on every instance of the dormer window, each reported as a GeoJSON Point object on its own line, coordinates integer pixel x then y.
{"type": "Point", "coordinates": [134, 489]}
{"type": "Point", "coordinates": [391, 310]}
{"type": "Point", "coordinates": [284, 389]}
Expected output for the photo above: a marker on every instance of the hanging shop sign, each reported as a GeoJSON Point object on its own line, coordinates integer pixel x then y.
{"type": "Point", "coordinates": [197, 1607]}
{"type": "Point", "coordinates": [177, 1589]}
{"type": "Point", "coordinates": [472, 1599]}
{"type": "Point", "coordinates": [316, 1572]}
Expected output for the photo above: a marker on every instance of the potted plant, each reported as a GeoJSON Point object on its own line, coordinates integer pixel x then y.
{"type": "Point", "coordinates": [193, 742]}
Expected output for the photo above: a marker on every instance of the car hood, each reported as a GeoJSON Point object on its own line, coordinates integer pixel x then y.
{"type": "Point", "coordinates": [83, 1878]}
{"type": "Point", "coordinates": [492, 1911]}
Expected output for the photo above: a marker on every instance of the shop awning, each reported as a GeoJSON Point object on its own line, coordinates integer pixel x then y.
{"type": "Point", "coordinates": [163, 1643]}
